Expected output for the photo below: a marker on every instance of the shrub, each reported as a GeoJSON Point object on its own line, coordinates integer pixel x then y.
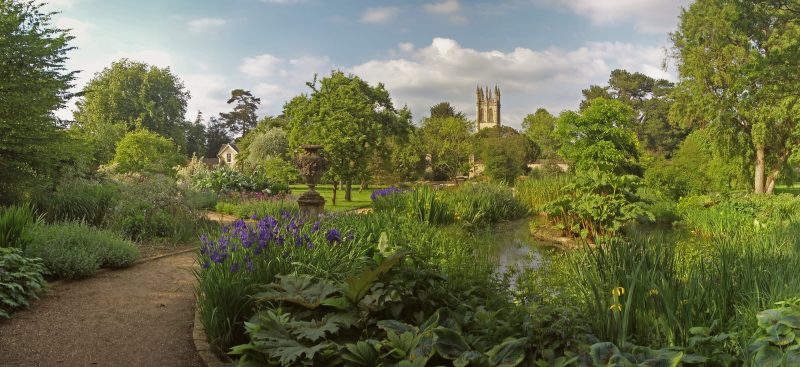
{"type": "Point", "coordinates": [78, 200]}
{"type": "Point", "coordinates": [75, 250]}
{"type": "Point", "coordinates": [152, 206]}
{"type": "Point", "coordinates": [720, 214]}
{"type": "Point", "coordinates": [21, 279]}
{"type": "Point", "coordinates": [278, 170]}
{"type": "Point", "coordinates": [224, 179]}
{"type": "Point", "coordinates": [201, 200]}
{"type": "Point", "coordinates": [16, 222]}
{"type": "Point", "coordinates": [146, 151]}
{"type": "Point", "coordinates": [427, 206]}
{"type": "Point", "coordinates": [258, 206]}
{"type": "Point", "coordinates": [484, 203]}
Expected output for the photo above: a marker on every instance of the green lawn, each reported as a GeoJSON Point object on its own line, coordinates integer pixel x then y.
{"type": "Point", "coordinates": [794, 189]}
{"type": "Point", "coordinates": [360, 198]}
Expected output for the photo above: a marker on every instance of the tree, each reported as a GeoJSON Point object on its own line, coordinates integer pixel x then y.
{"type": "Point", "coordinates": [738, 63]}
{"type": "Point", "coordinates": [243, 116]}
{"type": "Point", "coordinates": [349, 118]}
{"type": "Point", "coordinates": [504, 152]}
{"type": "Point", "coordinates": [444, 109]}
{"type": "Point", "coordinates": [145, 151]}
{"type": "Point", "coordinates": [33, 84]}
{"type": "Point", "coordinates": [599, 138]}
{"type": "Point", "coordinates": [216, 136]}
{"type": "Point", "coordinates": [539, 128]}
{"type": "Point", "coordinates": [129, 95]}
{"type": "Point", "coordinates": [650, 100]}
{"type": "Point", "coordinates": [271, 143]}
{"type": "Point", "coordinates": [447, 143]}
{"type": "Point", "coordinates": [196, 136]}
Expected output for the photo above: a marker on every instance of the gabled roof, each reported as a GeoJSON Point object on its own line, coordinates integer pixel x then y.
{"type": "Point", "coordinates": [232, 145]}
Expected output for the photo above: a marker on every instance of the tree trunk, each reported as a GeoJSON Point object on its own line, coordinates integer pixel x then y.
{"type": "Point", "coordinates": [335, 186]}
{"type": "Point", "coordinates": [364, 185]}
{"type": "Point", "coordinates": [772, 177]}
{"type": "Point", "coordinates": [348, 191]}
{"type": "Point", "coordinates": [760, 168]}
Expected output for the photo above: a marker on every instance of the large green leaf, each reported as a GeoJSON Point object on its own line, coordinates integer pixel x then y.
{"type": "Point", "coordinates": [602, 353]}
{"type": "Point", "coordinates": [508, 354]}
{"type": "Point", "coordinates": [361, 354]}
{"type": "Point", "coordinates": [449, 343]}
{"type": "Point", "coordinates": [768, 356]}
{"type": "Point", "coordinates": [302, 290]}
{"type": "Point", "coordinates": [357, 286]}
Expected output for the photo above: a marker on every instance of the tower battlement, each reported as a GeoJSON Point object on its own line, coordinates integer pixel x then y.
{"type": "Point", "coordinates": [488, 107]}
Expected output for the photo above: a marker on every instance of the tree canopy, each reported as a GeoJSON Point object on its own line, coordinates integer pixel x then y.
{"type": "Point", "coordinates": [504, 152]}
{"type": "Point", "coordinates": [145, 151]}
{"type": "Point", "coordinates": [539, 127]}
{"type": "Point", "coordinates": [349, 118]}
{"type": "Point", "coordinates": [447, 142]}
{"type": "Point", "coordinates": [243, 116]}
{"type": "Point", "coordinates": [33, 84]}
{"type": "Point", "coordinates": [738, 63]}
{"type": "Point", "coordinates": [129, 95]}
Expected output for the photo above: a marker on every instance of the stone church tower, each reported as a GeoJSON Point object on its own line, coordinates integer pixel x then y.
{"type": "Point", "coordinates": [488, 107]}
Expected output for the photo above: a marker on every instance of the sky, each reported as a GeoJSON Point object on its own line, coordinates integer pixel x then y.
{"type": "Point", "coordinates": [540, 53]}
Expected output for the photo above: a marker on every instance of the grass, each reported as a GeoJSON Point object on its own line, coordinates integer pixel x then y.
{"type": "Point", "coordinates": [361, 199]}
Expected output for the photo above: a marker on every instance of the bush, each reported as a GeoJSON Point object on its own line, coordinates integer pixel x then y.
{"type": "Point", "coordinates": [482, 204]}
{"type": "Point", "coordinates": [21, 280]}
{"type": "Point", "coordinates": [75, 250]}
{"type": "Point", "coordinates": [16, 223]}
{"type": "Point", "coordinates": [146, 151]}
{"type": "Point", "coordinates": [223, 179]}
{"type": "Point", "coordinates": [256, 205]}
{"type": "Point", "coordinates": [78, 200]}
{"type": "Point", "coordinates": [279, 171]}
{"type": "Point", "coordinates": [201, 200]}
{"type": "Point", "coordinates": [153, 207]}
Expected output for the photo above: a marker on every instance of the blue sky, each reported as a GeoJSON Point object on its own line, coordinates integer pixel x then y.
{"type": "Point", "coordinates": [540, 52]}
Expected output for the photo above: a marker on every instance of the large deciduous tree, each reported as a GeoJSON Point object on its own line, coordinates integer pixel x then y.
{"type": "Point", "coordinates": [128, 95]}
{"type": "Point", "coordinates": [216, 136]}
{"type": "Point", "coordinates": [33, 84]}
{"type": "Point", "coordinates": [540, 127]}
{"type": "Point", "coordinates": [145, 151]}
{"type": "Point", "coordinates": [243, 116]}
{"type": "Point", "coordinates": [447, 143]}
{"type": "Point", "coordinates": [504, 152]}
{"type": "Point", "coordinates": [349, 118]}
{"type": "Point", "coordinates": [738, 63]}
{"type": "Point", "coordinates": [650, 100]}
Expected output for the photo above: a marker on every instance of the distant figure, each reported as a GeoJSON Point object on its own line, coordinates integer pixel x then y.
{"type": "Point", "coordinates": [488, 107]}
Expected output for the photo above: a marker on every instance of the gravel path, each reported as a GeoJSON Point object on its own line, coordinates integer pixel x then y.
{"type": "Point", "coordinates": [140, 316]}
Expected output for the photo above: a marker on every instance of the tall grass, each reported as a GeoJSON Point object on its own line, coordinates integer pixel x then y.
{"type": "Point", "coordinates": [258, 208]}
{"type": "Point", "coordinates": [78, 200]}
{"type": "Point", "coordinates": [481, 204]}
{"type": "Point", "coordinates": [535, 192]}
{"type": "Point", "coordinates": [667, 293]}
{"type": "Point", "coordinates": [16, 222]}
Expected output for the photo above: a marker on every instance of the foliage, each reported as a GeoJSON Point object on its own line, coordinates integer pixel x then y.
{"type": "Point", "coordinates": [597, 204]}
{"type": "Point", "coordinates": [243, 116]}
{"type": "Point", "coordinates": [448, 143]}
{"type": "Point", "coordinates": [152, 206]}
{"type": "Point", "coordinates": [715, 215]}
{"type": "Point", "coordinates": [481, 204]}
{"type": "Point", "coordinates": [127, 96]}
{"type": "Point", "coordinates": [695, 168]}
{"type": "Point", "coordinates": [736, 60]}
{"type": "Point", "coordinates": [258, 208]}
{"type": "Point", "coordinates": [536, 191]}
{"type": "Point", "coordinates": [145, 151]}
{"type": "Point", "coordinates": [650, 100]}
{"type": "Point", "coordinates": [279, 171]}
{"type": "Point", "coordinates": [75, 250]}
{"type": "Point", "coordinates": [350, 119]}
{"type": "Point", "coordinates": [224, 179]}
{"type": "Point", "coordinates": [216, 137]}
{"type": "Point", "coordinates": [599, 138]}
{"type": "Point", "coordinates": [33, 84]}
{"type": "Point", "coordinates": [20, 281]}
{"type": "Point", "coordinates": [16, 222]}
{"type": "Point", "coordinates": [425, 205]}
{"type": "Point", "coordinates": [78, 200]}
{"type": "Point", "coordinates": [504, 152]}
{"type": "Point", "coordinates": [776, 342]}
{"type": "Point", "coordinates": [196, 137]}
{"type": "Point", "coordinates": [271, 143]}
{"type": "Point", "coordinates": [201, 200]}
{"type": "Point", "coordinates": [445, 110]}
{"type": "Point", "coordinates": [540, 127]}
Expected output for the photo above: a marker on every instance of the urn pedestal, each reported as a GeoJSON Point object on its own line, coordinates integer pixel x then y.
{"type": "Point", "coordinates": [312, 166]}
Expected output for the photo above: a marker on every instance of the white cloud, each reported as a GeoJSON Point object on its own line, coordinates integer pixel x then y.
{"type": "Point", "coordinates": [78, 28]}
{"type": "Point", "coordinates": [449, 8]}
{"type": "Point", "coordinates": [649, 16]}
{"type": "Point", "coordinates": [552, 78]}
{"type": "Point", "coordinates": [204, 24]}
{"type": "Point", "coordinates": [261, 66]}
{"type": "Point", "coordinates": [444, 7]}
{"type": "Point", "coordinates": [379, 15]}
{"type": "Point", "coordinates": [209, 94]}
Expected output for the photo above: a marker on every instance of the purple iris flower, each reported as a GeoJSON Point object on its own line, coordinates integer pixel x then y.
{"type": "Point", "coordinates": [333, 236]}
{"type": "Point", "coordinates": [315, 227]}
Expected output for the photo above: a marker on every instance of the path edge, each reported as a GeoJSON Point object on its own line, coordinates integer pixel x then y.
{"type": "Point", "coordinates": [201, 345]}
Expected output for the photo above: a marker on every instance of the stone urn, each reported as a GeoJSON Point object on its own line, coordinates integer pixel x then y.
{"type": "Point", "coordinates": [312, 166]}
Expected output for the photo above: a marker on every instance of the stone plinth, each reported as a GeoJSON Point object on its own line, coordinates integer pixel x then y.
{"type": "Point", "coordinates": [311, 204]}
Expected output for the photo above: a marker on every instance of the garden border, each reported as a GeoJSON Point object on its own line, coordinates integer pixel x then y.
{"type": "Point", "coordinates": [201, 344]}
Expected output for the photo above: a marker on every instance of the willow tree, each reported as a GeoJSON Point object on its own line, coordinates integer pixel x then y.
{"type": "Point", "coordinates": [738, 63]}
{"type": "Point", "coordinates": [351, 119]}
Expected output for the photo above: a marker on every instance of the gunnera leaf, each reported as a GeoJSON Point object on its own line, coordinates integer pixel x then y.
{"type": "Point", "coordinates": [302, 290]}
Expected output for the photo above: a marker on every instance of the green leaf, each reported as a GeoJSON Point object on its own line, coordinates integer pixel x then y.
{"type": "Point", "coordinates": [303, 290]}
{"type": "Point", "coordinates": [472, 359]}
{"type": "Point", "coordinates": [449, 343]}
{"type": "Point", "coordinates": [508, 354]}
{"type": "Point", "coordinates": [361, 354]}
{"type": "Point", "coordinates": [602, 353]}
{"type": "Point", "coordinates": [357, 286]}
{"type": "Point", "coordinates": [768, 356]}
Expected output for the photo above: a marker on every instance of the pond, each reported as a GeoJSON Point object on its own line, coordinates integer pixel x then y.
{"type": "Point", "coordinates": [516, 248]}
